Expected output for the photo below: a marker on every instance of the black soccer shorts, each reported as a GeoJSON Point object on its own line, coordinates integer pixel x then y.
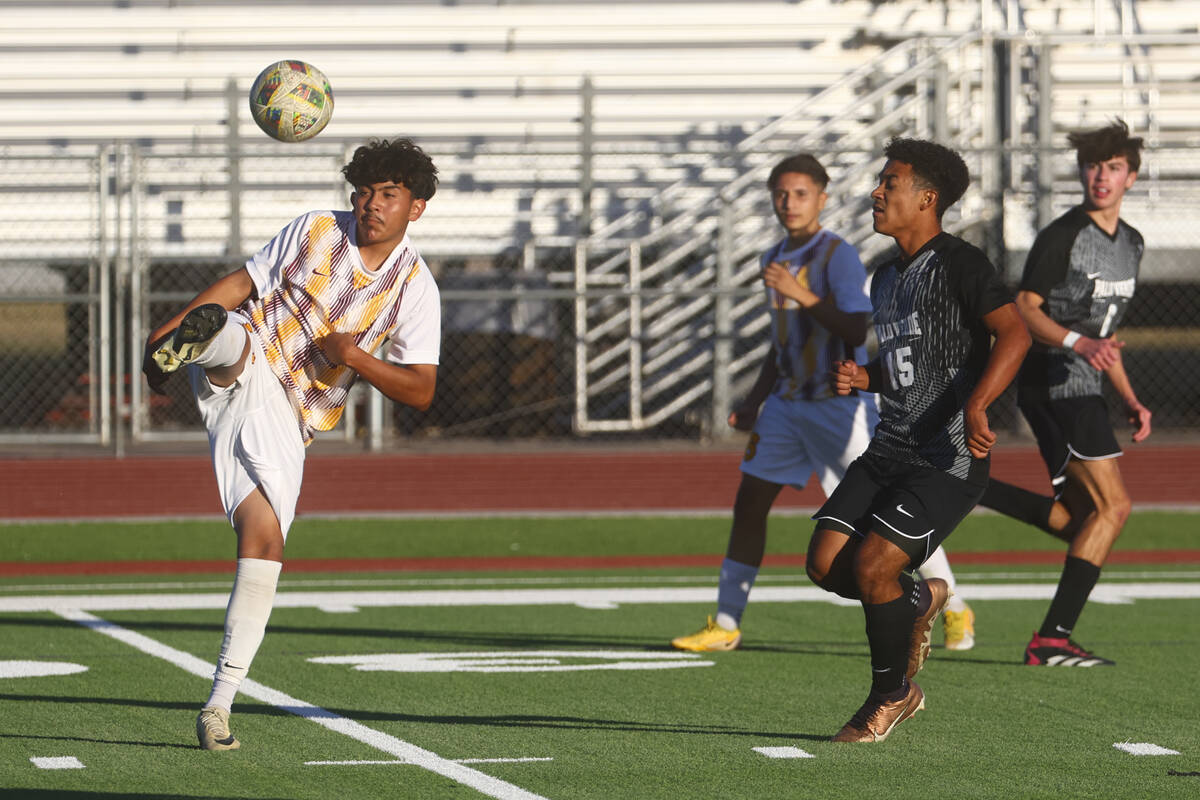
{"type": "Point", "coordinates": [1073, 426]}
{"type": "Point", "coordinates": [914, 508]}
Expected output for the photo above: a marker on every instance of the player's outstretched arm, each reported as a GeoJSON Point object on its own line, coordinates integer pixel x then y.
{"type": "Point", "coordinates": [1137, 414]}
{"type": "Point", "coordinates": [410, 384]}
{"type": "Point", "coordinates": [1012, 341]}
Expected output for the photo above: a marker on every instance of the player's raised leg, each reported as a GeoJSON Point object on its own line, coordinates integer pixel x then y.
{"type": "Point", "coordinates": [204, 337]}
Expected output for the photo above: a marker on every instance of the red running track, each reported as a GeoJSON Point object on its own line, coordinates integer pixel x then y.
{"type": "Point", "coordinates": [559, 481]}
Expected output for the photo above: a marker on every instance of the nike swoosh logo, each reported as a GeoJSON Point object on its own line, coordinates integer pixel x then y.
{"type": "Point", "coordinates": [900, 508]}
{"type": "Point", "coordinates": [885, 669]}
{"type": "Point", "coordinates": [1093, 275]}
{"type": "Point", "coordinates": [1061, 629]}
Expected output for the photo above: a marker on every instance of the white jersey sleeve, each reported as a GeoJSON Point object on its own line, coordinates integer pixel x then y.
{"type": "Point", "coordinates": [418, 337]}
{"type": "Point", "coordinates": [267, 266]}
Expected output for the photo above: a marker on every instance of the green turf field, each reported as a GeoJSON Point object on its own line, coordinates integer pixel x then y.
{"type": "Point", "coordinates": [559, 684]}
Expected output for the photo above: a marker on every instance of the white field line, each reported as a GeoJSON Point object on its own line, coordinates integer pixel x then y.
{"type": "Point", "coordinates": [783, 752]}
{"type": "Point", "coordinates": [485, 784]}
{"type": "Point", "coordinates": [1113, 593]}
{"type": "Point", "coordinates": [56, 762]}
{"type": "Point", "coordinates": [521, 760]}
{"type": "Point", "coordinates": [286, 583]}
{"type": "Point", "coordinates": [1145, 749]}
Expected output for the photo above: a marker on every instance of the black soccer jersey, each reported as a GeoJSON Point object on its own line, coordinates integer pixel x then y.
{"type": "Point", "coordinates": [933, 348]}
{"type": "Point", "coordinates": [1087, 278]}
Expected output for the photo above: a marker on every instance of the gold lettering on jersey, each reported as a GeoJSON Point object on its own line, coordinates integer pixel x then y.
{"type": "Point", "coordinates": [909, 326]}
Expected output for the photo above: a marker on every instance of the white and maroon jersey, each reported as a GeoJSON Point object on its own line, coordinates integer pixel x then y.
{"type": "Point", "coordinates": [805, 350]}
{"type": "Point", "coordinates": [310, 281]}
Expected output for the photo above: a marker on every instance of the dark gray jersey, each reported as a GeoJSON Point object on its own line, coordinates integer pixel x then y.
{"type": "Point", "coordinates": [933, 348]}
{"type": "Point", "coordinates": [1087, 279]}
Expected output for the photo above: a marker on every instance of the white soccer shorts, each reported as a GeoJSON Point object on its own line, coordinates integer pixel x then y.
{"type": "Point", "coordinates": [793, 439]}
{"type": "Point", "coordinates": [253, 435]}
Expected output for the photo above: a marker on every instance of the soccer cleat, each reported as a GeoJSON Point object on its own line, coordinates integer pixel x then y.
{"type": "Point", "coordinates": [709, 638]}
{"type": "Point", "coordinates": [959, 627]}
{"type": "Point", "coordinates": [1046, 651]}
{"type": "Point", "coordinates": [877, 718]}
{"type": "Point", "coordinates": [918, 643]}
{"type": "Point", "coordinates": [212, 729]}
{"type": "Point", "coordinates": [193, 336]}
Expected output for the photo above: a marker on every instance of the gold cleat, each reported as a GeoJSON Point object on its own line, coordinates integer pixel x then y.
{"type": "Point", "coordinates": [876, 720]}
{"type": "Point", "coordinates": [712, 637]}
{"type": "Point", "coordinates": [212, 729]}
{"type": "Point", "coordinates": [918, 644]}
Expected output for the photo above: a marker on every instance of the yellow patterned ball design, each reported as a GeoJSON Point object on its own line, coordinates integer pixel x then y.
{"type": "Point", "coordinates": [291, 101]}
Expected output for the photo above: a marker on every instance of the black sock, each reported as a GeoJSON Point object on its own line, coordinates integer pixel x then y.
{"type": "Point", "coordinates": [889, 628]}
{"type": "Point", "coordinates": [1078, 579]}
{"type": "Point", "coordinates": [1018, 503]}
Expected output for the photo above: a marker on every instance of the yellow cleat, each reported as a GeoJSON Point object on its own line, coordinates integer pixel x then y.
{"type": "Point", "coordinates": [959, 627]}
{"type": "Point", "coordinates": [709, 638]}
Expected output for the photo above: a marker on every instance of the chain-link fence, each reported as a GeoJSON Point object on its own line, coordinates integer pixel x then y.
{"type": "Point", "coordinates": [650, 327]}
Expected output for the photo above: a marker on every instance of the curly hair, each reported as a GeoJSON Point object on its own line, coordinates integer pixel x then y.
{"type": "Point", "coordinates": [398, 160]}
{"type": "Point", "coordinates": [803, 163]}
{"type": "Point", "coordinates": [934, 167]}
{"type": "Point", "coordinates": [1092, 147]}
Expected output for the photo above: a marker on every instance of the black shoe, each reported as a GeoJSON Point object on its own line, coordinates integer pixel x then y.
{"type": "Point", "coordinates": [193, 336]}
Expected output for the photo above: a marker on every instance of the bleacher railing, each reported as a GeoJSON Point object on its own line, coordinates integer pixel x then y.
{"type": "Point", "coordinates": [651, 324]}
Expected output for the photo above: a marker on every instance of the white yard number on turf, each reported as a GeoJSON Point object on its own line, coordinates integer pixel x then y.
{"type": "Point", "coordinates": [899, 367]}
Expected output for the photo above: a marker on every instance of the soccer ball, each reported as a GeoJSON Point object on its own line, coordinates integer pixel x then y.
{"type": "Point", "coordinates": [291, 101]}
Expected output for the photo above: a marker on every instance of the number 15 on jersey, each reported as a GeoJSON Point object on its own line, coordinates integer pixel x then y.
{"type": "Point", "coordinates": [898, 365]}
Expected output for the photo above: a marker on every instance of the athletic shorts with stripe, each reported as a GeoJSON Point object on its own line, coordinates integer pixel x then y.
{"type": "Point", "coordinates": [1071, 426]}
{"type": "Point", "coordinates": [793, 439]}
{"type": "Point", "coordinates": [914, 508]}
{"type": "Point", "coordinates": [253, 434]}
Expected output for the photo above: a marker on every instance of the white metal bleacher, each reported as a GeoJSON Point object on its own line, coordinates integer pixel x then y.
{"type": "Point", "coordinates": [493, 91]}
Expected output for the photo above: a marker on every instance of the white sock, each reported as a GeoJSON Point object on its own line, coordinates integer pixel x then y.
{"type": "Point", "coordinates": [226, 348]}
{"type": "Point", "coordinates": [733, 592]}
{"type": "Point", "coordinates": [245, 623]}
{"type": "Point", "coordinates": [938, 566]}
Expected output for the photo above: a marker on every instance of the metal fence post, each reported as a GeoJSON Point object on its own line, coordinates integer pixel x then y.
{"type": "Point", "coordinates": [233, 101]}
{"type": "Point", "coordinates": [121, 337]}
{"type": "Point", "coordinates": [581, 369]}
{"type": "Point", "coordinates": [104, 292]}
{"type": "Point", "coordinates": [586, 145]}
{"type": "Point", "coordinates": [723, 316]}
{"type": "Point", "coordinates": [941, 91]}
{"type": "Point", "coordinates": [1045, 149]}
{"type": "Point", "coordinates": [635, 334]}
